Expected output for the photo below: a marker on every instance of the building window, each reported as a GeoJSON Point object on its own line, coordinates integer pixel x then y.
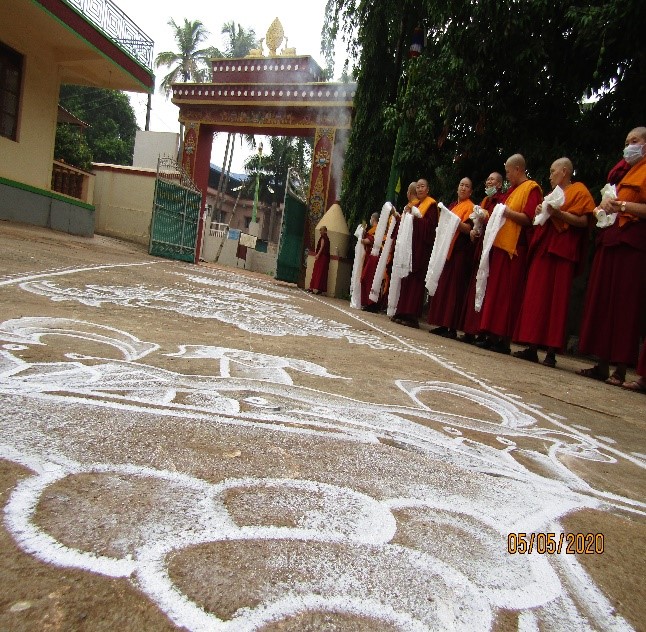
{"type": "Point", "coordinates": [10, 82]}
{"type": "Point", "coordinates": [247, 222]}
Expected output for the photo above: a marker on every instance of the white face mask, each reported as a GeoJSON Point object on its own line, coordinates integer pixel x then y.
{"type": "Point", "coordinates": [489, 191]}
{"type": "Point", "coordinates": [633, 153]}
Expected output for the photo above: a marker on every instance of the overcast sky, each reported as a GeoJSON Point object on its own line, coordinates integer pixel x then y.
{"type": "Point", "coordinates": [302, 23]}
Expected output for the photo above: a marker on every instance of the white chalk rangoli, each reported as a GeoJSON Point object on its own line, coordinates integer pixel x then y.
{"type": "Point", "coordinates": [341, 551]}
{"type": "Point", "coordinates": [252, 307]}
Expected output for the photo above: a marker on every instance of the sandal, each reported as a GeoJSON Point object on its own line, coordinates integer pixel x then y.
{"type": "Point", "coordinates": [526, 354]}
{"type": "Point", "coordinates": [593, 372]}
{"type": "Point", "coordinates": [501, 347]}
{"type": "Point", "coordinates": [638, 386]}
{"type": "Point", "coordinates": [409, 322]}
{"type": "Point", "coordinates": [615, 380]}
{"type": "Point", "coordinates": [550, 361]}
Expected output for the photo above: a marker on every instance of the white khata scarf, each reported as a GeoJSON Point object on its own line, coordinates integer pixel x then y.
{"type": "Point", "coordinates": [402, 260]}
{"type": "Point", "coordinates": [446, 228]}
{"type": "Point", "coordinates": [355, 279]}
{"type": "Point", "coordinates": [493, 226]}
{"type": "Point", "coordinates": [555, 199]}
{"type": "Point", "coordinates": [375, 290]}
{"type": "Point", "coordinates": [381, 228]}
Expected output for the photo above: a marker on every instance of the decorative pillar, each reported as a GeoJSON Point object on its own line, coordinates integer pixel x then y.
{"type": "Point", "coordinates": [320, 181]}
{"type": "Point", "coordinates": [196, 162]}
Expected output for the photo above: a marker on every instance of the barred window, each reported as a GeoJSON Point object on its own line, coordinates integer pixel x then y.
{"type": "Point", "coordinates": [10, 83]}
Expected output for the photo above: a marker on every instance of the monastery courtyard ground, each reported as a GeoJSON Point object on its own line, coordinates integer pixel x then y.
{"type": "Point", "coordinates": [193, 447]}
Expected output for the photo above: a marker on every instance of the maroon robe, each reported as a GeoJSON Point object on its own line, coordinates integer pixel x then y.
{"type": "Point", "coordinates": [641, 364]}
{"type": "Point", "coordinates": [447, 304]}
{"type": "Point", "coordinates": [367, 277]}
{"type": "Point", "coordinates": [470, 319]}
{"type": "Point", "coordinates": [413, 286]}
{"type": "Point", "coordinates": [319, 274]}
{"type": "Point", "coordinates": [506, 283]}
{"type": "Point", "coordinates": [554, 258]}
{"type": "Point", "coordinates": [369, 269]}
{"type": "Point", "coordinates": [615, 304]}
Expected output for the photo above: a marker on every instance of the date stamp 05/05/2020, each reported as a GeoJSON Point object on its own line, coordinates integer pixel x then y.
{"type": "Point", "coordinates": [551, 543]}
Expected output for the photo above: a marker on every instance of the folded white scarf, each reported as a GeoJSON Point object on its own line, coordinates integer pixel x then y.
{"type": "Point", "coordinates": [446, 229]}
{"type": "Point", "coordinates": [609, 192]}
{"type": "Point", "coordinates": [357, 267]}
{"type": "Point", "coordinates": [402, 260]}
{"type": "Point", "coordinates": [380, 231]}
{"type": "Point", "coordinates": [493, 226]}
{"type": "Point", "coordinates": [555, 199]}
{"type": "Point", "coordinates": [375, 290]}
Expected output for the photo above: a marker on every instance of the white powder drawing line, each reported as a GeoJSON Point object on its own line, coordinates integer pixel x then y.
{"type": "Point", "coordinates": [628, 457]}
{"type": "Point", "coordinates": [67, 271]}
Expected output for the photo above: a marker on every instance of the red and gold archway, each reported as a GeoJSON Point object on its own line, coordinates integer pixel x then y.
{"type": "Point", "coordinates": [279, 95]}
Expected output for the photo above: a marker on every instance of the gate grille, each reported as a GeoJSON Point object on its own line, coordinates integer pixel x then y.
{"type": "Point", "coordinates": [176, 213]}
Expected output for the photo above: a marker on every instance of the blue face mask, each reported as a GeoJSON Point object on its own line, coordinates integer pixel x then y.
{"type": "Point", "coordinates": [633, 153]}
{"type": "Point", "coordinates": [489, 191]}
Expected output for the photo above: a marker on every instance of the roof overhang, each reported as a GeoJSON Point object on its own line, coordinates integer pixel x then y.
{"type": "Point", "coordinates": [85, 53]}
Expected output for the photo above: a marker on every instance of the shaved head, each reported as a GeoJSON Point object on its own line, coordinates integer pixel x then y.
{"type": "Point", "coordinates": [561, 172]}
{"type": "Point", "coordinates": [639, 131]}
{"type": "Point", "coordinates": [495, 179]}
{"type": "Point", "coordinates": [564, 163]}
{"type": "Point", "coordinates": [517, 161]}
{"type": "Point", "coordinates": [515, 169]}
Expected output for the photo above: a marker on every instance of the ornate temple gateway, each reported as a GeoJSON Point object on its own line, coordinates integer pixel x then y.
{"type": "Point", "coordinates": [278, 94]}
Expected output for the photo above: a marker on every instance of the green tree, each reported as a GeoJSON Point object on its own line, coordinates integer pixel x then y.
{"type": "Point", "coordinates": [189, 62]}
{"type": "Point", "coordinates": [113, 127]}
{"type": "Point", "coordinates": [71, 146]}
{"type": "Point", "coordinates": [494, 78]}
{"type": "Point", "coordinates": [375, 46]}
{"type": "Point", "coordinates": [240, 40]}
{"type": "Point", "coordinates": [284, 152]}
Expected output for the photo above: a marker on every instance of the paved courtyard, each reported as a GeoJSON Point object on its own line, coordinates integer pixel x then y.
{"type": "Point", "coordinates": [201, 448]}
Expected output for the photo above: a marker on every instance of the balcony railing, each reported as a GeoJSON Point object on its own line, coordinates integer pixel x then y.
{"type": "Point", "coordinates": [116, 25]}
{"type": "Point", "coordinates": [74, 182]}
{"type": "Point", "coordinates": [218, 229]}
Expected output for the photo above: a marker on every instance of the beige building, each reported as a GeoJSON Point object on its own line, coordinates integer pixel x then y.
{"type": "Point", "coordinates": [43, 44]}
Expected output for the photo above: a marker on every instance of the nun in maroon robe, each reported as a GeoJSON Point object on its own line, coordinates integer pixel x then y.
{"type": "Point", "coordinates": [318, 284]}
{"type": "Point", "coordinates": [615, 305]}
{"type": "Point", "coordinates": [470, 319]}
{"type": "Point", "coordinates": [555, 252]}
{"type": "Point", "coordinates": [413, 286]}
{"type": "Point", "coordinates": [447, 303]}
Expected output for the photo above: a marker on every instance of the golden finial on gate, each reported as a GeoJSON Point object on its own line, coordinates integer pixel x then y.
{"type": "Point", "coordinates": [274, 37]}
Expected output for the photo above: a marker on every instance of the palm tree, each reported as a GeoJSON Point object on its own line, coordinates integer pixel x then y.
{"type": "Point", "coordinates": [189, 63]}
{"type": "Point", "coordinates": [284, 152]}
{"type": "Point", "coordinates": [271, 170]}
{"type": "Point", "coordinates": [241, 40]}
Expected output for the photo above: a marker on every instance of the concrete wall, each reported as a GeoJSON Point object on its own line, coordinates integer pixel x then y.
{"type": "Point", "coordinates": [28, 160]}
{"type": "Point", "coordinates": [263, 262]}
{"type": "Point", "coordinates": [150, 145]}
{"type": "Point", "coordinates": [20, 203]}
{"type": "Point", "coordinates": [123, 198]}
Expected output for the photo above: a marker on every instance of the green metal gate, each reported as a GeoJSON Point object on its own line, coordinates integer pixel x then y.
{"type": "Point", "coordinates": [176, 213]}
{"type": "Point", "coordinates": [290, 247]}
